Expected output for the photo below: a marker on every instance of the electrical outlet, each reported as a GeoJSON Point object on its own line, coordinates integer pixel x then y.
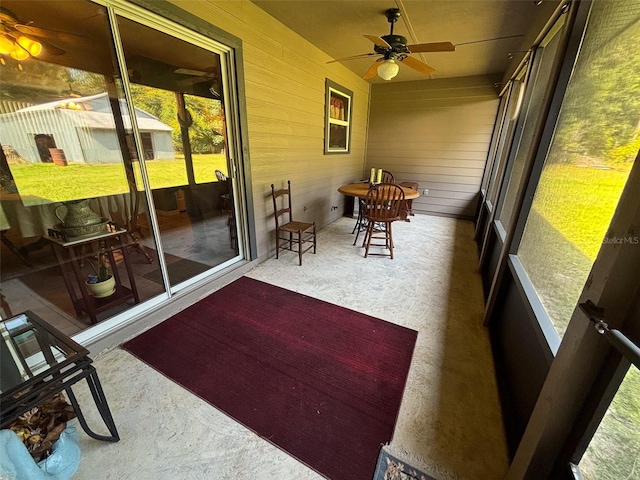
{"type": "Point", "coordinates": [334, 207]}
{"type": "Point", "coordinates": [425, 191]}
{"type": "Point", "coordinates": [305, 208]}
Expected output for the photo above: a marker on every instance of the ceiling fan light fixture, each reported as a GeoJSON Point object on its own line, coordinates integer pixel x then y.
{"type": "Point", "coordinates": [33, 47]}
{"type": "Point", "coordinates": [6, 45]}
{"type": "Point", "coordinates": [19, 53]}
{"type": "Point", "coordinates": [388, 69]}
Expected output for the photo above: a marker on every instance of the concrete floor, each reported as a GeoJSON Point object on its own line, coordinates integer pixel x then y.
{"type": "Point", "coordinates": [449, 419]}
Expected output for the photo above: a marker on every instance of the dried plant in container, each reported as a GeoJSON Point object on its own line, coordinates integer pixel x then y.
{"type": "Point", "coordinates": [41, 426]}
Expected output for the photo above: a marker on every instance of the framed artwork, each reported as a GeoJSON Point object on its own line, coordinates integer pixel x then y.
{"type": "Point", "coordinates": [337, 130]}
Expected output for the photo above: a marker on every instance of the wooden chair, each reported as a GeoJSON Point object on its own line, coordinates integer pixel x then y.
{"type": "Point", "coordinates": [305, 233]}
{"type": "Point", "coordinates": [226, 191]}
{"type": "Point", "coordinates": [361, 222]}
{"type": "Point", "coordinates": [382, 208]}
{"type": "Point", "coordinates": [387, 177]}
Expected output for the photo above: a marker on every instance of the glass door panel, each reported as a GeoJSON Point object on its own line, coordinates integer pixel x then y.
{"type": "Point", "coordinates": [66, 169]}
{"type": "Point", "coordinates": [177, 89]}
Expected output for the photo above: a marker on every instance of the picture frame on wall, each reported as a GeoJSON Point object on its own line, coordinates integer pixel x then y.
{"type": "Point", "coordinates": [338, 109]}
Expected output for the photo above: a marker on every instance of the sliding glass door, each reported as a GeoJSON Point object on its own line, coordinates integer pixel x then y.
{"type": "Point", "coordinates": [128, 171]}
{"type": "Point", "coordinates": [188, 166]}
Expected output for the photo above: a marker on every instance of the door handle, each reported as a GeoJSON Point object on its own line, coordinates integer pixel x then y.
{"type": "Point", "coordinates": [616, 338]}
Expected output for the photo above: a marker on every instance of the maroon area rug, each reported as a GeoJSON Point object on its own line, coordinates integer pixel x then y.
{"type": "Point", "coordinates": [321, 382]}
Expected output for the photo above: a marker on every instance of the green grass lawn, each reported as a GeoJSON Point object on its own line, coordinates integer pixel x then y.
{"type": "Point", "coordinates": [46, 182]}
{"type": "Point", "coordinates": [572, 212]}
{"type": "Point", "coordinates": [581, 202]}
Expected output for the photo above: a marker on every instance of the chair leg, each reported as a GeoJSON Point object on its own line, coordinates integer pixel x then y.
{"type": "Point", "coordinates": [361, 226]}
{"type": "Point", "coordinates": [367, 238]}
{"type": "Point", "coordinates": [314, 238]}
{"type": "Point", "coordinates": [390, 238]}
{"type": "Point", "coordinates": [299, 248]}
{"type": "Point", "coordinates": [277, 243]}
{"type": "Point", "coordinates": [359, 219]}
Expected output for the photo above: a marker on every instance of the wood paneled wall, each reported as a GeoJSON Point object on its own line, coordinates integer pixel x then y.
{"type": "Point", "coordinates": [285, 90]}
{"type": "Point", "coordinates": [437, 133]}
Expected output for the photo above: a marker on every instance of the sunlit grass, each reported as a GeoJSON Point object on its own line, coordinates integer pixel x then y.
{"type": "Point", "coordinates": [572, 212]}
{"type": "Point", "coordinates": [581, 203]}
{"type": "Point", "coordinates": [46, 182]}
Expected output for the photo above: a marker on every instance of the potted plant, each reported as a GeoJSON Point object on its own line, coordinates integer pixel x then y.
{"type": "Point", "coordinates": [101, 283]}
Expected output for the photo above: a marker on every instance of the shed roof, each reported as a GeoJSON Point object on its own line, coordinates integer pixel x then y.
{"type": "Point", "coordinates": [93, 112]}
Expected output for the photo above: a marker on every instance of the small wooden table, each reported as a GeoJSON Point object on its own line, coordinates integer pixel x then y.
{"type": "Point", "coordinates": [71, 253]}
{"type": "Point", "coordinates": [414, 186]}
{"type": "Point", "coordinates": [360, 190]}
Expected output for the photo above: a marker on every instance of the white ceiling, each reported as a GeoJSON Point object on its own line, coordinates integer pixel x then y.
{"type": "Point", "coordinates": [337, 27]}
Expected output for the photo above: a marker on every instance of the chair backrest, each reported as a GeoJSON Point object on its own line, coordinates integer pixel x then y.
{"type": "Point", "coordinates": [220, 176]}
{"type": "Point", "coordinates": [383, 202]}
{"type": "Point", "coordinates": [387, 177]}
{"type": "Point", "coordinates": [283, 206]}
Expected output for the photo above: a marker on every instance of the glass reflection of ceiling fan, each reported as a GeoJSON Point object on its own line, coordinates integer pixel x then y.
{"type": "Point", "coordinates": [21, 40]}
{"type": "Point", "coordinates": [198, 76]}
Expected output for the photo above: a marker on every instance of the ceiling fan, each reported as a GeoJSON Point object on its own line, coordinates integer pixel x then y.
{"type": "Point", "coordinates": [22, 40]}
{"type": "Point", "coordinates": [198, 76]}
{"type": "Point", "coordinates": [393, 48]}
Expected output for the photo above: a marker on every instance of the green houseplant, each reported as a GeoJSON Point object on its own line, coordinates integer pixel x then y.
{"type": "Point", "coordinates": [101, 283]}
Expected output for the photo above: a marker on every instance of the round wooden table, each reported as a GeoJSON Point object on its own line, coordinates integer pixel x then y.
{"type": "Point", "coordinates": [360, 190]}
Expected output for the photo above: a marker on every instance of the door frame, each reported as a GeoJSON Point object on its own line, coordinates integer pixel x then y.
{"type": "Point", "coordinates": [239, 157]}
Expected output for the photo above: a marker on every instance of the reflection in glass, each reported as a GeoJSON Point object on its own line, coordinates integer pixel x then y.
{"type": "Point", "coordinates": [504, 141]}
{"type": "Point", "coordinates": [180, 84]}
{"type": "Point", "coordinates": [594, 147]}
{"type": "Point", "coordinates": [71, 162]}
{"type": "Point", "coordinates": [67, 164]}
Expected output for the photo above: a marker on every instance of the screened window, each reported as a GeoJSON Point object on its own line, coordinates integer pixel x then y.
{"type": "Point", "coordinates": [594, 146]}
{"type": "Point", "coordinates": [544, 60]}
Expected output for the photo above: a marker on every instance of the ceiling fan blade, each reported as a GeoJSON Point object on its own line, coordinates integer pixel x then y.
{"type": "Point", "coordinates": [49, 34]}
{"type": "Point", "coordinates": [364, 55]}
{"type": "Point", "coordinates": [417, 65]}
{"type": "Point", "coordinates": [197, 73]}
{"type": "Point", "coordinates": [378, 41]}
{"type": "Point", "coordinates": [373, 70]}
{"type": "Point", "coordinates": [432, 47]}
{"type": "Point", "coordinates": [51, 49]}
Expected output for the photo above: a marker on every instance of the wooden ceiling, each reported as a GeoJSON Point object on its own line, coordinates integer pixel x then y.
{"type": "Point", "coordinates": [476, 27]}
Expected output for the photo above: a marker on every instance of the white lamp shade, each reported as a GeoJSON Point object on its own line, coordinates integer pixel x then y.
{"type": "Point", "coordinates": [388, 69]}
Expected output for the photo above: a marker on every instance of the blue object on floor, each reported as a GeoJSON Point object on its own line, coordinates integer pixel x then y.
{"type": "Point", "coordinates": [16, 462]}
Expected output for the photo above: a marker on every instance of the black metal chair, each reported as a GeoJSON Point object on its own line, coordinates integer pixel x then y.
{"type": "Point", "coordinates": [305, 233]}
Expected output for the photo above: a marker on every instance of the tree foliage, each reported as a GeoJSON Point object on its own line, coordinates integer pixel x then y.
{"type": "Point", "coordinates": [600, 117]}
{"type": "Point", "coordinates": [208, 122]}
